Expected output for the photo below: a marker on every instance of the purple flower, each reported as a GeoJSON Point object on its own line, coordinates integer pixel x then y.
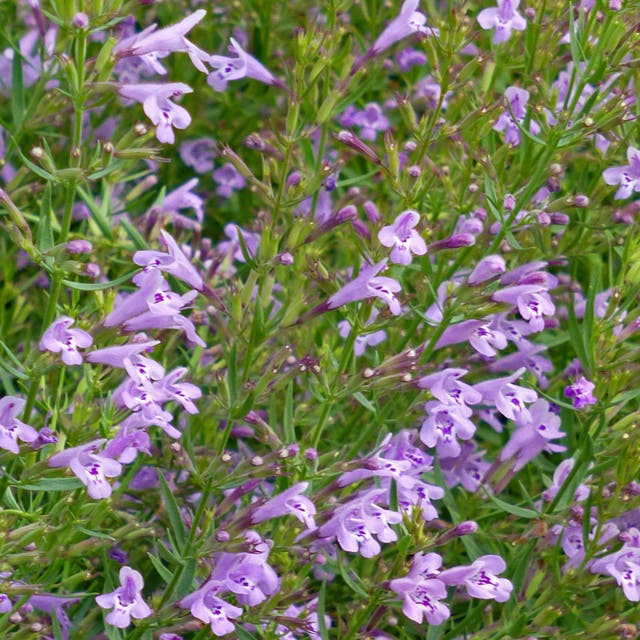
{"type": "Point", "coordinates": [514, 115]}
{"type": "Point", "coordinates": [534, 436]}
{"type": "Point", "coordinates": [363, 340]}
{"type": "Point", "coordinates": [12, 429]}
{"type": "Point", "coordinates": [560, 476]}
{"type": "Point", "coordinates": [244, 66]}
{"type": "Point", "coordinates": [151, 44]}
{"type": "Point", "coordinates": [410, 57]}
{"type": "Point", "coordinates": [182, 198]}
{"type": "Point", "coordinates": [247, 575]}
{"type": "Point", "coordinates": [198, 154]}
{"type": "Point", "coordinates": [479, 579]}
{"type": "Point", "coordinates": [233, 246]}
{"type": "Point", "coordinates": [159, 109]}
{"type": "Point", "coordinates": [447, 387]}
{"type": "Point", "coordinates": [484, 338]}
{"type": "Point", "coordinates": [59, 338]}
{"type": "Point", "coordinates": [78, 246]}
{"type": "Point", "coordinates": [407, 22]}
{"type": "Point", "coordinates": [624, 566]}
{"type": "Point", "coordinates": [175, 263]}
{"type": "Point", "coordinates": [229, 179]}
{"type": "Point", "coordinates": [487, 268]}
{"type": "Point", "coordinates": [508, 398]}
{"type": "Point", "coordinates": [404, 239]}
{"type": "Point", "coordinates": [627, 176]}
{"type": "Point", "coordinates": [291, 502]}
{"type": "Point", "coordinates": [368, 284]}
{"type": "Point", "coordinates": [119, 356]}
{"type": "Point", "coordinates": [504, 19]}
{"type": "Point", "coordinates": [356, 522]}
{"type": "Point", "coordinates": [126, 601]}
{"type": "Point", "coordinates": [421, 590]}
{"type": "Point", "coordinates": [90, 466]}
{"type": "Point", "coordinates": [205, 605]}
{"type": "Point", "coordinates": [467, 469]}
{"type": "Point", "coordinates": [533, 302]}
{"type": "Point", "coordinates": [5, 603]}
{"type": "Point", "coordinates": [444, 425]}
{"type": "Point", "coordinates": [371, 120]}
{"type": "Point", "coordinates": [580, 393]}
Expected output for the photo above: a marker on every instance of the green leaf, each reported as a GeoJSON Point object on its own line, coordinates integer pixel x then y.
{"type": "Point", "coordinates": [521, 512]}
{"type": "Point", "coordinates": [34, 167]}
{"type": "Point", "coordinates": [17, 90]}
{"type": "Point", "coordinates": [186, 583]}
{"type": "Point", "coordinates": [243, 634]}
{"type": "Point", "coordinates": [322, 623]}
{"type": "Point", "coordinates": [351, 579]}
{"type": "Point", "coordinates": [53, 484]}
{"type": "Point", "coordinates": [164, 573]}
{"type": "Point", "coordinates": [287, 422]}
{"type": "Point", "coordinates": [99, 286]}
{"type": "Point", "coordinates": [44, 233]}
{"type": "Point", "coordinates": [364, 402]}
{"type": "Point", "coordinates": [97, 534]}
{"type": "Point", "coordinates": [173, 512]}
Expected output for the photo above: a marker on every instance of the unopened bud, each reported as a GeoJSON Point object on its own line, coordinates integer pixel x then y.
{"type": "Point", "coordinates": [580, 201]}
{"type": "Point", "coordinates": [371, 211]}
{"type": "Point", "coordinates": [37, 153]}
{"type": "Point", "coordinates": [509, 202]}
{"type": "Point", "coordinates": [140, 129]}
{"type": "Point", "coordinates": [285, 258]}
{"type": "Point", "coordinates": [81, 20]}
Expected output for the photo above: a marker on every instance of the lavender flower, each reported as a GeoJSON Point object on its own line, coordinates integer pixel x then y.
{"type": "Point", "coordinates": [205, 605]}
{"type": "Point", "coordinates": [182, 198]}
{"type": "Point", "coordinates": [504, 19]}
{"type": "Point", "coordinates": [159, 109]}
{"type": "Point", "coordinates": [532, 437]}
{"type": "Point", "coordinates": [12, 429]}
{"type": "Point", "coordinates": [291, 502]}
{"type": "Point", "coordinates": [198, 154]}
{"type": "Point", "coordinates": [229, 179]}
{"type": "Point", "coordinates": [444, 425]}
{"type": "Point", "coordinates": [407, 22]}
{"type": "Point", "coordinates": [368, 284]}
{"type": "Point", "coordinates": [623, 565]}
{"type": "Point", "coordinates": [371, 120]}
{"type": "Point", "coordinates": [581, 393]}
{"type": "Point", "coordinates": [355, 522]}
{"type": "Point", "coordinates": [404, 239]}
{"type": "Point", "coordinates": [90, 467]}
{"type": "Point", "coordinates": [175, 263]}
{"type": "Point", "coordinates": [126, 601]}
{"type": "Point", "coordinates": [421, 590]}
{"type": "Point", "coordinates": [244, 66]}
{"type": "Point", "coordinates": [479, 579]}
{"type": "Point", "coordinates": [627, 176]}
{"type": "Point", "coordinates": [151, 44]}
{"type": "Point", "coordinates": [513, 117]}
{"type": "Point", "coordinates": [60, 338]}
